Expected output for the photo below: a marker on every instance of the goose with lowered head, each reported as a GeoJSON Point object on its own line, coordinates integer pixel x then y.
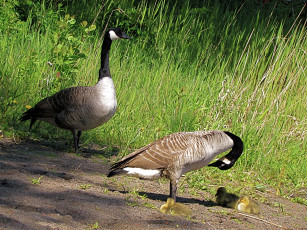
{"type": "Point", "coordinates": [179, 153]}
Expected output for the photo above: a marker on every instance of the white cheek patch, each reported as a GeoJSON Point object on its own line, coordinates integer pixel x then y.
{"type": "Point", "coordinates": [149, 174]}
{"type": "Point", "coordinates": [226, 161]}
{"type": "Point", "coordinates": [113, 35]}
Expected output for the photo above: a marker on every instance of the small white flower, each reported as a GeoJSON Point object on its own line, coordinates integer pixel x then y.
{"type": "Point", "coordinates": [49, 63]}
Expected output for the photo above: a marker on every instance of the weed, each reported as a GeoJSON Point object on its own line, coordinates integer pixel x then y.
{"type": "Point", "coordinates": [36, 181]}
{"type": "Point", "coordinates": [85, 186]}
{"type": "Point", "coordinates": [149, 205]}
{"type": "Point", "coordinates": [135, 195]}
{"type": "Point", "coordinates": [94, 226]}
{"type": "Point", "coordinates": [279, 205]}
{"type": "Point", "coordinates": [236, 220]}
{"type": "Point", "coordinates": [133, 204]}
{"type": "Point", "coordinates": [221, 211]}
{"type": "Point", "coordinates": [299, 200]}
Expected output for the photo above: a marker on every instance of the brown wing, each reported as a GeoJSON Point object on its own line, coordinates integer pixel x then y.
{"type": "Point", "coordinates": [158, 154]}
{"type": "Point", "coordinates": [69, 99]}
{"type": "Point", "coordinates": [70, 105]}
{"type": "Point", "coordinates": [65, 106]}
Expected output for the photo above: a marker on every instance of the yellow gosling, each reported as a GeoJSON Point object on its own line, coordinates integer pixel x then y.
{"type": "Point", "coordinates": [175, 208]}
{"type": "Point", "coordinates": [248, 205]}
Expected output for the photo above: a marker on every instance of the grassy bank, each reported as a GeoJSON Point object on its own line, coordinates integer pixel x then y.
{"type": "Point", "coordinates": [187, 68]}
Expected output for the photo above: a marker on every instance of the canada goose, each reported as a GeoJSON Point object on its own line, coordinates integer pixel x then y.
{"type": "Point", "coordinates": [175, 208]}
{"type": "Point", "coordinates": [178, 153]}
{"type": "Point", "coordinates": [248, 205]}
{"type": "Point", "coordinates": [85, 107]}
{"type": "Point", "coordinates": [226, 199]}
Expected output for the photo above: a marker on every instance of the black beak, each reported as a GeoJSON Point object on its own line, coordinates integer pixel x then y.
{"type": "Point", "coordinates": [125, 36]}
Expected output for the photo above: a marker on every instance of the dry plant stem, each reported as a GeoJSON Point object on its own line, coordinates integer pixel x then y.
{"type": "Point", "coordinates": [99, 11]}
{"type": "Point", "coordinates": [265, 221]}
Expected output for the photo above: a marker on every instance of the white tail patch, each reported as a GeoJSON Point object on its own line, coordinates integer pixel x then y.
{"type": "Point", "coordinates": [149, 174]}
{"type": "Point", "coordinates": [113, 35]}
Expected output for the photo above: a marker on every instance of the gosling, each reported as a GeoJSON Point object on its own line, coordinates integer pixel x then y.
{"type": "Point", "coordinates": [243, 204]}
{"type": "Point", "coordinates": [171, 207]}
{"type": "Point", "coordinates": [248, 205]}
{"type": "Point", "coordinates": [225, 199]}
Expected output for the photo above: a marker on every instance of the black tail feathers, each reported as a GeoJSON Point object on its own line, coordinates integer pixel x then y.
{"type": "Point", "coordinates": [115, 172]}
{"type": "Point", "coordinates": [27, 116]}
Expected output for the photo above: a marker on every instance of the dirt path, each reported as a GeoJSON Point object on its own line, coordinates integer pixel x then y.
{"type": "Point", "coordinates": [74, 193]}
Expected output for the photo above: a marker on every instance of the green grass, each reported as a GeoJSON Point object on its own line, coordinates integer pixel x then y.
{"type": "Point", "coordinates": [187, 68]}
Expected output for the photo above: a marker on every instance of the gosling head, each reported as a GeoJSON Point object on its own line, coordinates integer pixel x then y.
{"type": "Point", "coordinates": [244, 200]}
{"type": "Point", "coordinates": [165, 208]}
{"type": "Point", "coordinates": [221, 191]}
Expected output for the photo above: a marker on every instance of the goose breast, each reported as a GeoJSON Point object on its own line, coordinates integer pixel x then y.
{"type": "Point", "coordinates": [85, 108]}
{"type": "Point", "coordinates": [203, 147]}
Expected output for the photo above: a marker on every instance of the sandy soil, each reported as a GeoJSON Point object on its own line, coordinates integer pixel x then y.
{"type": "Point", "coordinates": [74, 193]}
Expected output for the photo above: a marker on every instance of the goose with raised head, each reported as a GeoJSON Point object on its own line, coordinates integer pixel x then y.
{"type": "Point", "coordinates": [84, 107]}
{"type": "Point", "coordinates": [179, 153]}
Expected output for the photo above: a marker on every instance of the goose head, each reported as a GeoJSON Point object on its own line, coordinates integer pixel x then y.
{"type": "Point", "coordinates": [115, 33]}
{"type": "Point", "coordinates": [226, 162]}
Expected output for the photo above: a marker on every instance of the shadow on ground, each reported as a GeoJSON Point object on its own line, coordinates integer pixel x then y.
{"type": "Point", "coordinates": [44, 187]}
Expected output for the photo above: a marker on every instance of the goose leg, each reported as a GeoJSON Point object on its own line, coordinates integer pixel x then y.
{"type": "Point", "coordinates": [173, 189]}
{"type": "Point", "coordinates": [75, 140]}
{"type": "Point", "coordinates": [78, 138]}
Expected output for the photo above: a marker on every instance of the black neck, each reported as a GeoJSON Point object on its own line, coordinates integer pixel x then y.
{"type": "Point", "coordinates": [105, 49]}
{"type": "Point", "coordinates": [232, 156]}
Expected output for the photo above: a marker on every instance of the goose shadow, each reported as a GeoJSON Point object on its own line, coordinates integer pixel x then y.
{"type": "Point", "coordinates": [65, 146]}
{"type": "Point", "coordinates": [163, 198]}
{"type": "Point", "coordinates": [105, 151]}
